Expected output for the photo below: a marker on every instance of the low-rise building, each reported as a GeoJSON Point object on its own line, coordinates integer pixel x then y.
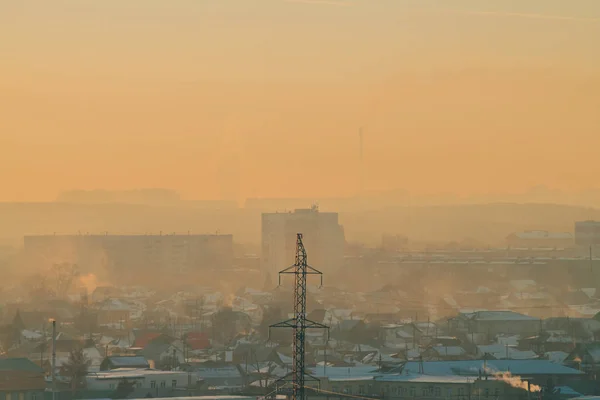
{"type": "Point", "coordinates": [144, 382]}
{"type": "Point", "coordinates": [540, 239]}
{"type": "Point", "coordinates": [493, 323]}
{"type": "Point", "coordinates": [21, 379]}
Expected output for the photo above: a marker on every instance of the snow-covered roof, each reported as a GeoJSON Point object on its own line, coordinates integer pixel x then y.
{"type": "Point", "coordinates": [423, 378]}
{"type": "Point", "coordinates": [501, 352]}
{"type": "Point", "coordinates": [449, 350]}
{"type": "Point", "coordinates": [501, 316]}
{"type": "Point", "coordinates": [470, 367]}
{"type": "Point", "coordinates": [129, 373]}
{"type": "Point", "coordinates": [557, 357]}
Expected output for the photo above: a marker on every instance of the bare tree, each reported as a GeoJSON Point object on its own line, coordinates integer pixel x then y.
{"type": "Point", "coordinates": [64, 274]}
{"type": "Point", "coordinates": [76, 368]}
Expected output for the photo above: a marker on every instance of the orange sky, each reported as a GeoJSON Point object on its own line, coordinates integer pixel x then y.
{"type": "Point", "coordinates": [459, 96]}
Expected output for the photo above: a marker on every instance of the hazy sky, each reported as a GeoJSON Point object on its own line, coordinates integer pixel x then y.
{"type": "Point", "coordinates": [195, 95]}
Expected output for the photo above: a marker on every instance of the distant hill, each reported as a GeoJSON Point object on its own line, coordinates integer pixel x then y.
{"type": "Point", "coordinates": [140, 196]}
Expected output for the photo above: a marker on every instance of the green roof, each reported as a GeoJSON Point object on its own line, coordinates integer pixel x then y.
{"type": "Point", "coordinates": [19, 364]}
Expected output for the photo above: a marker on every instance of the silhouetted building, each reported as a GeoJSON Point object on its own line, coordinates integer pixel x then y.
{"type": "Point", "coordinates": [163, 253]}
{"type": "Point", "coordinates": [323, 237]}
{"type": "Point", "coordinates": [587, 233]}
{"type": "Point", "coordinates": [540, 239]}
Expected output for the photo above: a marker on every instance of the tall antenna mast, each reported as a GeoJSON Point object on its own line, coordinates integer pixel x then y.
{"type": "Point", "coordinates": [299, 323]}
{"type": "Point", "coordinates": [361, 166]}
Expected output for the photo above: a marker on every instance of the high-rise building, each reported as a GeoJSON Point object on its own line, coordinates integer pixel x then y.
{"type": "Point", "coordinates": [587, 233]}
{"type": "Point", "coordinates": [323, 238]}
{"type": "Point", "coordinates": [129, 253]}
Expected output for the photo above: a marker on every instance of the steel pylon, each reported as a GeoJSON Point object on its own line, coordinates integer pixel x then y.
{"type": "Point", "coordinates": [299, 323]}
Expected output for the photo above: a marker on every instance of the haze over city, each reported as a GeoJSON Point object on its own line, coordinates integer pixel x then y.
{"type": "Point", "coordinates": [300, 199]}
{"type": "Point", "coordinates": [460, 97]}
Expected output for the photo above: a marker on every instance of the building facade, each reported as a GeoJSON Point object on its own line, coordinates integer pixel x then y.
{"type": "Point", "coordinates": [587, 233]}
{"type": "Point", "coordinates": [540, 239]}
{"type": "Point", "coordinates": [161, 253]}
{"type": "Point", "coordinates": [323, 238]}
{"type": "Point", "coordinates": [21, 379]}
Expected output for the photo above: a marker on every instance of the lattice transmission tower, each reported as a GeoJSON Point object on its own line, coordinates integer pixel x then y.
{"type": "Point", "coordinates": [299, 323]}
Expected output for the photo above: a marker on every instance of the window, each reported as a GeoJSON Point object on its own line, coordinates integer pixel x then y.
{"type": "Point", "coordinates": [361, 389]}
{"type": "Point", "coordinates": [497, 392]}
{"type": "Point", "coordinates": [413, 392]}
{"type": "Point", "coordinates": [174, 383]}
{"type": "Point", "coordinates": [449, 393]}
{"type": "Point", "coordinates": [163, 384]}
{"type": "Point", "coordinates": [461, 391]}
{"type": "Point", "coordinates": [438, 392]}
{"type": "Point", "coordinates": [487, 392]}
{"type": "Point", "coordinates": [335, 389]}
{"type": "Point", "coordinates": [153, 384]}
{"type": "Point", "coordinates": [111, 386]}
{"type": "Point", "coordinates": [21, 396]}
{"type": "Point", "coordinates": [33, 396]}
{"type": "Point", "coordinates": [424, 392]}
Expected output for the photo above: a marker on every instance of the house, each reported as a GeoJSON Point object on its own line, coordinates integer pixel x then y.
{"type": "Point", "coordinates": [21, 378]}
{"type": "Point", "coordinates": [197, 341]}
{"type": "Point", "coordinates": [440, 379]}
{"type": "Point", "coordinates": [163, 354]}
{"type": "Point", "coordinates": [253, 353]}
{"type": "Point", "coordinates": [143, 339]}
{"type": "Point", "coordinates": [352, 331]}
{"type": "Point", "coordinates": [398, 336]}
{"type": "Point", "coordinates": [102, 293]}
{"type": "Point", "coordinates": [145, 382]}
{"type": "Point", "coordinates": [504, 352]}
{"type": "Point", "coordinates": [585, 356]}
{"type": "Point", "coordinates": [549, 341]}
{"type": "Point", "coordinates": [580, 329]}
{"type": "Point", "coordinates": [217, 375]}
{"type": "Point", "coordinates": [116, 362]}
{"type": "Point", "coordinates": [439, 353]}
{"type": "Point", "coordinates": [488, 324]}
{"type": "Point", "coordinates": [540, 239]}
{"type": "Point", "coordinates": [113, 313]}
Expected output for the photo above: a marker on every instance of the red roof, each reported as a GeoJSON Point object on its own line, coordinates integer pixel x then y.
{"type": "Point", "coordinates": [197, 341]}
{"type": "Point", "coordinates": [143, 340]}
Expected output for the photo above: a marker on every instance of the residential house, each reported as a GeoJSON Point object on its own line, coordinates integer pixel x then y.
{"type": "Point", "coordinates": [163, 354]}
{"type": "Point", "coordinates": [352, 331]}
{"type": "Point", "coordinates": [197, 342]}
{"type": "Point", "coordinates": [113, 313]}
{"type": "Point", "coordinates": [145, 382]}
{"type": "Point", "coordinates": [504, 352]}
{"type": "Point", "coordinates": [217, 376]}
{"type": "Point", "coordinates": [489, 324]}
{"type": "Point", "coordinates": [585, 356]}
{"type": "Point", "coordinates": [21, 379]}
{"type": "Point", "coordinates": [116, 362]}
{"type": "Point", "coordinates": [439, 353]}
{"type": "Point", "coordinates": [440, 379]}
{"type": "Point", "coordinates": [254, 353]}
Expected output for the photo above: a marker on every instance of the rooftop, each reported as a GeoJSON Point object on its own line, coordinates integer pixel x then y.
{"type": "Point", "coordinates": [500, 316]}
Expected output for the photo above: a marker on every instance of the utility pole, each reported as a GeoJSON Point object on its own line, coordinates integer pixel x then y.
{"type": "Point", "coordinates": [299, 323]}
{"type": "Point", "coordinates": [53, 360]}
{"type": "Point", "coordinates": [591, 261]}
